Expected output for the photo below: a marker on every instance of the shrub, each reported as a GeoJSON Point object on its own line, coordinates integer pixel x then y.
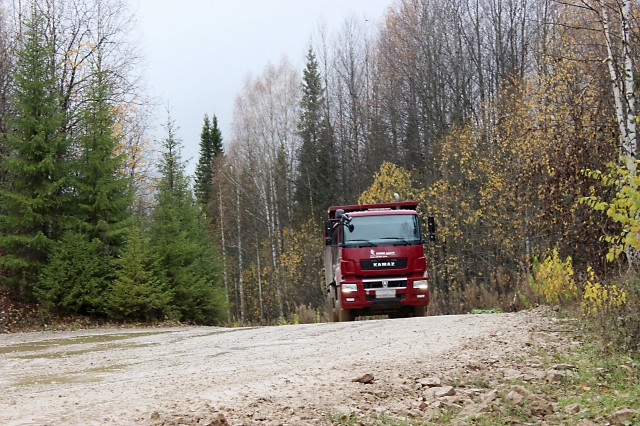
{"type": "Point", "coordinates": [76, 278]}
{"type": "Point", "coordinates": [613, 308]}
{"type": "Point", "coordinates": [552, 280]}
{"type": "Point", "coordinates": [611, 311]}
{"type": "Point", "coordinates": [140, 290]}
{"type": "Point", "coordinates": [597, 298]}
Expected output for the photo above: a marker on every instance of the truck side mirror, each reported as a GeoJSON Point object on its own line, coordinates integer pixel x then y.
{"type": "Point", "coordinates": [431, 225]}
{"type": "Point", "coordinates": [328, 229]}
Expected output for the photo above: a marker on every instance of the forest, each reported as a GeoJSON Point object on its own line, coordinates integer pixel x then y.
{"type": "Point", "coordinates": [512, 122]}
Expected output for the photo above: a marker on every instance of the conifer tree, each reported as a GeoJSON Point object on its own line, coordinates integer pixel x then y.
{"type": "Point", "coordinates": [210, 148]}
{"type": "Point", "coordinates": [76, 276]}
{"type": "Point", "coordinates": [140, 290]}
{"type": "Point", "coordinates": [179, 237]}
{"type": "Point", "coordinates": [34, 165]}
{"type": "Point", "coordinates": [103, 192]}
{"type": "Point", "coordinates": [101, 213]}
{"type": "Point", "coordinates": [316, 170]}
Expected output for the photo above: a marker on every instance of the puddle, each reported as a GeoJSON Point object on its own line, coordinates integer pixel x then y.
{"type": "Point", "coordinates": [93, 375]}
{"type": "Point", "coordinates": [229, 330]}
{"type": "Point", "coordinates": [78, 340]}
{"type": "Point", "coordinates": [66, 354]}
{"type": "Point", "coordinates": [57, 380]}
{"type": "Point", "coordinates": [261, 345]}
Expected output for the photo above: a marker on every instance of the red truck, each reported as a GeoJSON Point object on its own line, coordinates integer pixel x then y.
{"type": "Point", "coordinates": [374, 261]}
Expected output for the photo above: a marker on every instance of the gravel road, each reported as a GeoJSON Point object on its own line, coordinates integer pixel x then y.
{"type": "Point", "coordinates": [298, 374]}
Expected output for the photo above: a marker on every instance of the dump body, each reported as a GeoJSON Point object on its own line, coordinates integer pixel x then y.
{"type": "Point", "coordinates": [375, 262]}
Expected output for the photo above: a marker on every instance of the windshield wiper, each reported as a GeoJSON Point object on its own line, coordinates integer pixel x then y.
{"type": "Point", "coordinates": [361, 243]}
{"type": "Point", "coordinates": [402, 240]}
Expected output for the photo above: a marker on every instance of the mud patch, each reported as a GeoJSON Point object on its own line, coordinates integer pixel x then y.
{"type": "Point", "coordinates": [93, 375]}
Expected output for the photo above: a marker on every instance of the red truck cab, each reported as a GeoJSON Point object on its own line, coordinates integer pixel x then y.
{"type": "Point", "coordinates": [375, 262]}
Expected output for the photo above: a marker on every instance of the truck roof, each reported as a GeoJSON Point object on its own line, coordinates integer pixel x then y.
{"type": "Point", "coordinates": [373, 208]}
{"type": "Point", "coordinates": [386, 212]}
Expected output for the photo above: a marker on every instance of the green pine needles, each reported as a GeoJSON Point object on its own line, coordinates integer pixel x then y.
{"type": "Point", "coordinates": [35, 166]}
{"type": "Point", "coordinates": [69, 239]}
{"type": "Point", "coordinates": [210, 149]}
{"type": "Point", "coordinates": [179, 237]}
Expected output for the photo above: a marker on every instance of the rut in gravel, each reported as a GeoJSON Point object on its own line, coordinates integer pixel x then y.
{"type": "Point", "coordinates": [299, 374]}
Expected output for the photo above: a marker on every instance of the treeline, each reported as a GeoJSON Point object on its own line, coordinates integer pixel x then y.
{"type": "Point", "coordinates": [487, 111]}
{"type": "Point", "coordinates": [78, 233]}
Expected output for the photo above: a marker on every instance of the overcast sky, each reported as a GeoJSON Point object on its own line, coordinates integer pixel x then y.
{"type": "Point", "coordinates": [198, 53]}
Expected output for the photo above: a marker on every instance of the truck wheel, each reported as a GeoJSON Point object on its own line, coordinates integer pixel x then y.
{"type": "Point", "coordinates": [419, 311]}
{"type": "Point", "coordinates": [333, 314]}
{"type": "Point", "coordinates": [343, 314]}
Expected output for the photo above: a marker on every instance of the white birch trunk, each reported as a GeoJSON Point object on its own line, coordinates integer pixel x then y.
{"type": "Point", "coordinates": [622, 82]}
{"type": "Point", "coordinates": [272, 223]}
{"type": "Point", "coordinates": [260, 300]}
{"type": "Point", "coordinates": [623, 85]}
{"type": "Point", "coordinates": [224, 252]}
{"type": "Point", "coordinates": [629, 84]}
{"type": "Point", "coordinates": [240, 278]}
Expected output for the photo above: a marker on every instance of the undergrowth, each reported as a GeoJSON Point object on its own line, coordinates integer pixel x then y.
{"type": "Point", "coordinates": [601, 383]}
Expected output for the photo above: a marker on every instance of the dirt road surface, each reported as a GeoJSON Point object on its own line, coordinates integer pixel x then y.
{"type": "Point", "coordinates": [298, 374]}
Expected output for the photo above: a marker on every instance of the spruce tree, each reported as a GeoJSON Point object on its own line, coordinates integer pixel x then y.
{"type": "Point", "coordinates": [210, 148]}
{"type": "Point", "coordinates": [101, 213]}
{"type": "Point", "coordinates": [104, 196]}
{"type": "Point", "coordinates": [316, 159]}
{"type": "Point", "coordinates": [35, 167]}
{"type": "Point", "coordinates": [76, 277]}
{"type": "Point", "coordinates": [140, 290]}
{"type": "Point", "coordinates": [179, 237]}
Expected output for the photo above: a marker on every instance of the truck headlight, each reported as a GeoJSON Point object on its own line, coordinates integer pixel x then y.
{"type": "Point", "coordinates": [421, 284]}
{"type": "Point", "coordinates": [349, 288]}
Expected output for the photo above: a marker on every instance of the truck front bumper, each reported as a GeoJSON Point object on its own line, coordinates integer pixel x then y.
{"type": "Point", "coordinates": [384, 295]}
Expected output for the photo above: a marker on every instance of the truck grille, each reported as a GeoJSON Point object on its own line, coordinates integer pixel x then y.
{"type": "Point", "coordinates": [385, 283]}
{"type": "Point", "coordinates": [381, 264]}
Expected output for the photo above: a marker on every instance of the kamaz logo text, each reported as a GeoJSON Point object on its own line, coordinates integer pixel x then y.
{"type": "Point", "coordinates": [390, 264]}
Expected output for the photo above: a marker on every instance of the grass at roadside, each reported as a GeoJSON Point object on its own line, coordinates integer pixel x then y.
{"type": "Point", "coordinates": [588, 384]}
{"type": "Point", "coordinates": [597, 385]}
{"type": "Point", "coordinates": [376, 420]}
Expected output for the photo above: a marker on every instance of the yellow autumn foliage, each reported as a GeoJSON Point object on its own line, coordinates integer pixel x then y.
{"type": "Point", "coordinates": [390, 179]}
{"type": "Point", "coordinates": [598, 298]}
{"type": "Point", "coordinates": [553, 280]}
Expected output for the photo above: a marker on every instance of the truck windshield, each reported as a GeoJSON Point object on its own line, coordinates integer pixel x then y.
{"type": "Point", "coordinates": [382, 230]}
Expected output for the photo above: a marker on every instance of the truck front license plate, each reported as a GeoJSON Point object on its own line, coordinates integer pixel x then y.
{"type": "Point", "coordinates": [385, 293]}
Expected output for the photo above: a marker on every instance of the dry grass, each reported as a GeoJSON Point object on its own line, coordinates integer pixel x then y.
{"type": "Point", "coordinates": [619, 326]}
{"type": "Point", "coordinates": [505, 294]}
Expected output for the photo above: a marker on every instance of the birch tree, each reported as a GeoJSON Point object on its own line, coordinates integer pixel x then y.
{"type": "Point", "coordinates": [620, 63]}
{"type": "Point", "coordinates": [263, 151]}
{"type": "Point", "coordinates": [611, 26]}
{"type": "Point", "coordinates": [608, 33]}
{"type": "Point", "coordinates": [5, 66]}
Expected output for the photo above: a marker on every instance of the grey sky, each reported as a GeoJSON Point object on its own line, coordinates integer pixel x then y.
{"type": "Point", "coordinates": [198, 53]}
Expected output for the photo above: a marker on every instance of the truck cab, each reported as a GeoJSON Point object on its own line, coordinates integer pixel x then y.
{"type": "Point", "coordinates": [375, 262]}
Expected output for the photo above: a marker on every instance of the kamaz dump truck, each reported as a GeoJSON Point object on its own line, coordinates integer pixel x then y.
{"type": "Point", "coordinates": [374, 261]}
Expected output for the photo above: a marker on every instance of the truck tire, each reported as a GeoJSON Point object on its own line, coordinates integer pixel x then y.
{"type": "Point", "coordinates": [402, 313]}
{"type": "Point", "coordinates": [419, 311]}
{"type": "Point", "coordinates": [333, 312]}
{"type": "Point", "coordinates": [343, 314]}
